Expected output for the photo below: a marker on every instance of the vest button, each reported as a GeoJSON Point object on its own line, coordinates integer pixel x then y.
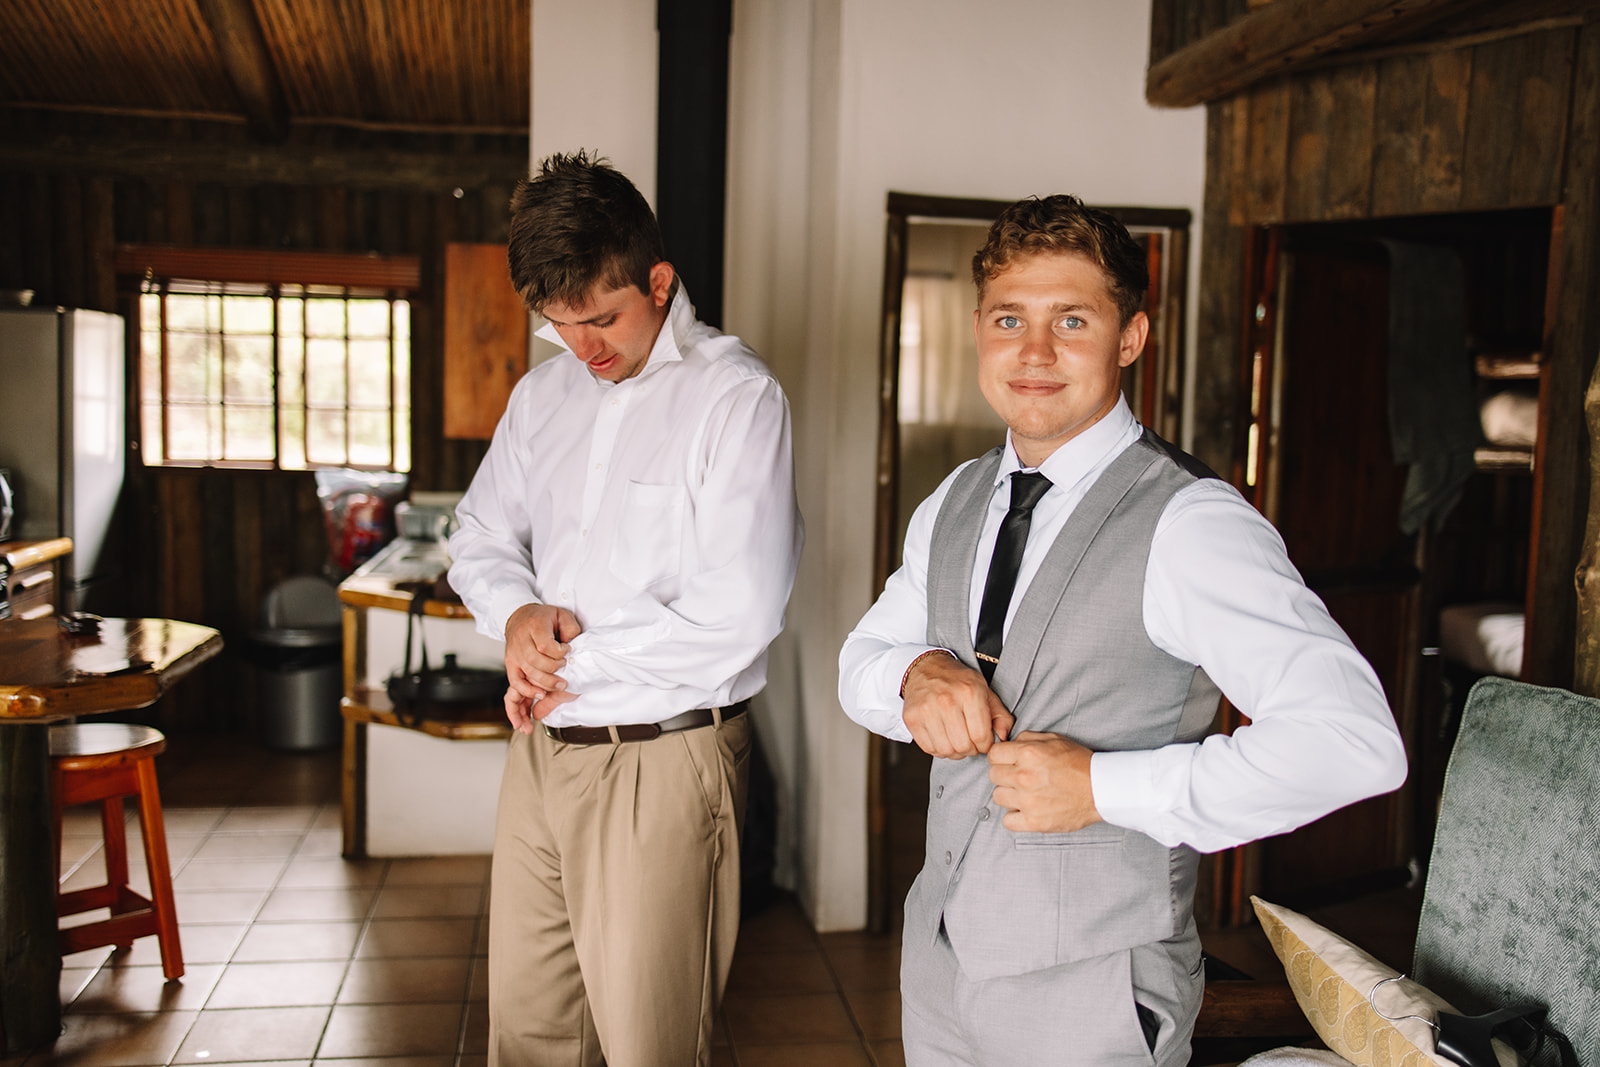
{"type": "Point", "coordinates": [939, 792]}
{"type": "Point", "coordinates": [983, 815]}
{"type": "Point", "coordinates": [947, 859]}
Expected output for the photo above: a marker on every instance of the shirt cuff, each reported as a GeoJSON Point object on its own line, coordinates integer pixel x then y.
{"type": "Point", "coordinates": [1128, 792]}
{"type": "Point", "coordinates": [503, 603]}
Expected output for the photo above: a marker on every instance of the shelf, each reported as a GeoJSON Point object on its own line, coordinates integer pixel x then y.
{"type": "Point", "coordinates": [1508, 366]}
{"type": "Point", "coordinates": [463, 722]}
{"type": "Point", "coordinates": [1514, 460]}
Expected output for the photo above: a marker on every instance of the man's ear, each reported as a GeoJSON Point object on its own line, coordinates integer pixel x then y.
{"type": "Point", "coordinates": [661, 276]}
{"type": "Point", "coordinates": [1133, 338]}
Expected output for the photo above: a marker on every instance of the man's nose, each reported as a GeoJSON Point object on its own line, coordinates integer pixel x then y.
{"type": "Point", "coordinates": [586, 343]}
{"type": "Point", "coordinates": [1038, 347]}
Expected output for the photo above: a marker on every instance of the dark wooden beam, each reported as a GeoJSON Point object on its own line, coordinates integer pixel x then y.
{"type": "Point", "coordinates": [243, 48]}
{"type": "Point", "coordinates": [1281, 37]}
{"type": "Point", "coordinates": [233, 163]}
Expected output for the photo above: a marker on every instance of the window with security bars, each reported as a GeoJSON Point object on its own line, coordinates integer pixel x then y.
{"type": "Point", "coordinates": [291, 376]}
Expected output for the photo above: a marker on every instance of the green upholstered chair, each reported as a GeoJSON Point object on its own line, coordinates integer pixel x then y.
{"type": "Point", "coordinates": [1511, 909]}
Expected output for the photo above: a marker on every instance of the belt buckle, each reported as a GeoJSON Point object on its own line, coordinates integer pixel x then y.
{"type": "Point", "coordinates": [552, 732]}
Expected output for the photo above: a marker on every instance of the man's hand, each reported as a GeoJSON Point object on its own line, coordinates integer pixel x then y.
{"type": "Point", "coordinates": [523, 713]}
{"type": "Point", "coordinates": [1043, 779]}
{"type": "Point", "coordinates": [950, 709]}
{"type": "Point", "coordinates": [537, 637]}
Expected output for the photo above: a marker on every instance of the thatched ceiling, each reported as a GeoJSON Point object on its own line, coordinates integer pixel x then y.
{"type": "Point", "coordinates": [424, 63]}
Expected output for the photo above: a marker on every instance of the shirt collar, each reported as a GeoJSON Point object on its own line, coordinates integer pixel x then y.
{"type": "Point", "coordinates": [1079, 457]}
{"type": "Point", "coordinates": [674, 332]}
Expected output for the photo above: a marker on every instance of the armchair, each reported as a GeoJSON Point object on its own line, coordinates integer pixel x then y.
{"type": "Point", "coordinates": [1511, 911]}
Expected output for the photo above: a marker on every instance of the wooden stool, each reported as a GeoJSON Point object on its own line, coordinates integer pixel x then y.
{"type": "Point", "coordinates": [105, 762]}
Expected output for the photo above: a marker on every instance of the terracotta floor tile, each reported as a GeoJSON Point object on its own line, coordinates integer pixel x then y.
{"type": "Point", "coordinates": [871, 964]}
{"type": "Point", "coordinates": [428, 901]}
{"type": "Point", "coordinates": [204, 943]}
{"type": "Point", "coordinates": [146, 989]}
{"type": "Point", "coordinates": [781, 927]}
{"type": "Point", "coordinates": [821, 1054]}
{"type": "Point", "coordinates": [130, 1040]}
{"type": "Point", "coordinates": [73, 979]}
{"type": "Point", "coordinates": [329, 817]}
{"type": "Point", "coordinates": [392, 1030]}
{"type": "Point", "coordinates": [235, 846]}
{"type": "Point", "coordinates": [322, 842]}
{"type": "Point", "coordinates": [298, 941]}
{"type": "Point", "coordinates": [326, 872]}
{"type": "Point", "coordinates": [389, 938]}
{"type": "Point", "coordinates": [298, 983]}
{"type": "Point", "coordinates": [278, 817]}
{"type": "Point", "coordinates": [406, 981]}
{"type": "Point", "coordinates": [475, 1035]}
{"type": "Point", "coordinates": [235, 874]}
{"type": "Point", "coordinates": [779, 972]}
{"type": "Point", "coordinates": [440, 870]}
{"type": "Point", "coordinates": [877, 1012]}
{"type": "Point", "coordinates": [348, 904]}
{"type": "Point", "coordinates": [246, 1034]}
{"type": "Point", "coordinates": [190, 820]}
{"type": "Point", "coordinates": [787, 1019]}
{"type": "Point", "coordinates": [218, 905]}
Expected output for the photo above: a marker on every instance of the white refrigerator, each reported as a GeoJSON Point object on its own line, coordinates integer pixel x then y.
{"type": "Point", "coordinates": [62, 436]}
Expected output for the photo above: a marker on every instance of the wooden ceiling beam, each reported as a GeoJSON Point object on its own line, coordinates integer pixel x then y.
{"type": "Point", "coordinates": [249, 65]}
{"type": "Point", "coordinates": [1281, 37]}
{"type": "Point", "coordinates": [233, 163]}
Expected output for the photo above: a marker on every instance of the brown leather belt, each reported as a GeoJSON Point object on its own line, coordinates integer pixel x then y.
{"type": "Point", "coordinates": [644, 731]}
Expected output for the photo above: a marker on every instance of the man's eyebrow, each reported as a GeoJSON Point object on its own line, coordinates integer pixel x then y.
{"type": "Point", "coordinates": [590, 321]}
{"type": "Point", "coordinates": [1055, 309]}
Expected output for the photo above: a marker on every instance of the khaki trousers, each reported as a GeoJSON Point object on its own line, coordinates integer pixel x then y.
{"type": "Point", "coordinates": [614, 898]}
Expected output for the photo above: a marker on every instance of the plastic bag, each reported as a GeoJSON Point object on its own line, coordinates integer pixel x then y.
{"type": "Point", "coordinates": [358, 514]}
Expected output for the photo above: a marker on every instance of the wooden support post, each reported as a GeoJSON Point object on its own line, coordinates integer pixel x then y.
{"type": "Point", "coordinates": [30, 956]}
{"type": "Point", "coordinates": [1586, 663]}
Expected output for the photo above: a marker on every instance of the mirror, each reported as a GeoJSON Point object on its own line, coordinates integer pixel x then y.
{"type": "Point", "coordinates": [931, 417]}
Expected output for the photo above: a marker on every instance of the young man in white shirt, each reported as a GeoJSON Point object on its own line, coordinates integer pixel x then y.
{"type": "Point", "coordinates": [1058, 643]}
{"type": "Point", "coordinates": [632, 535]}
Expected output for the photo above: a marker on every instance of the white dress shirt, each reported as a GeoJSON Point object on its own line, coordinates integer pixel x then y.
{"type": "Point", "coordinates": [1219, 592]}
{"type": "Point", "coordinates": [660, 510]}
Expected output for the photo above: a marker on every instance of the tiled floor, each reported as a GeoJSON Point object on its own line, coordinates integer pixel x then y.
{"type": "Point", "coordinates": [295, 955]}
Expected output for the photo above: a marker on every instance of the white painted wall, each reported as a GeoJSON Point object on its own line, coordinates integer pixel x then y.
{"type": "Point", "coordinates": [834, 103]}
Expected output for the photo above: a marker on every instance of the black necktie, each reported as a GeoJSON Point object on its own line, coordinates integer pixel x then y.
{"type": "Point", "coordinates": [1026, 491]}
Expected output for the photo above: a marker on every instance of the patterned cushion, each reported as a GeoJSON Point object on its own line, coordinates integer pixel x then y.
{"type": "Point", "coordinates": [1333, 979]}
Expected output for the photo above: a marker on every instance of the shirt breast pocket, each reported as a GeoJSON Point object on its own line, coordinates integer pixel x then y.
{"type": "Point", "coordinates": [648, 546]}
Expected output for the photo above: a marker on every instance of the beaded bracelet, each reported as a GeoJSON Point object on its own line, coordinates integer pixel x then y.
{"type": "Point", "coordinates": [931, 652]}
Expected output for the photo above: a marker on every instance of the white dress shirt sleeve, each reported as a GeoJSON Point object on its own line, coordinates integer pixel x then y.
{"type": "Point", "coordinates": [749, 535]}
{"type": "Point", "coordinates": [893, 632]}
{"type": "Point", "coordinates": [1220, 592]}
{"type": "Point", "coordinates": [491, 566]}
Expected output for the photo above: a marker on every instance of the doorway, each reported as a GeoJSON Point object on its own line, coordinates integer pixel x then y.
{"type": "Point", "coordinates": [931, 418]}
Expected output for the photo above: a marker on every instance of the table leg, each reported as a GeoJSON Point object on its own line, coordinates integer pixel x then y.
{"type": "Point", "coordinates": [30, 954]}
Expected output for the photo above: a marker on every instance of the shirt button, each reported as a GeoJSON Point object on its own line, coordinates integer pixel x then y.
{"type": "Point", "coordinates": [983, 815]}
{"type": "Point", "coordinates": [947, 859]}
{"type": "Point", "coordinates": [566, 594]}
{"type": "Point", "coordinates": [599, 466]}
{"type": "Point", "coordinates": [584, 533]}
{"type": "Point", "coordinates": [939, 792]}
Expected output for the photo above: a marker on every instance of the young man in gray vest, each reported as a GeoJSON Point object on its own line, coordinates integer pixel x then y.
{"type": "Point", "coordinates": [1069, 607]}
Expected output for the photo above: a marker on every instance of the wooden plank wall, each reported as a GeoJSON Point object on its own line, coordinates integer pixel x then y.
{"type": "Point", "coordinates": [204, 545]}
{"type": "Point", "coordinates": [1502, 124]}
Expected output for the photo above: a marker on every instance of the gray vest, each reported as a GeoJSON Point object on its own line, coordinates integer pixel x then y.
{"type": "Point", "coordinates": [1076, 662]}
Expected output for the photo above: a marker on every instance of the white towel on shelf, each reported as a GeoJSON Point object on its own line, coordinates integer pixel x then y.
{"type": "Point", "coordinates": [1485, 637]}
{"type": "Point", "coordinates": [1511, 419]}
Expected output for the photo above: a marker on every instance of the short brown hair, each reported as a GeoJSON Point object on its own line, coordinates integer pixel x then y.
{"type": "Point", "coordinates": [1062, 223]}
{"type": "Point", "coordinates": [576, 222]}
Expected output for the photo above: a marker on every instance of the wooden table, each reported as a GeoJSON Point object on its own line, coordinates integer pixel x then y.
{"type": "Point", "coordinates": [46, 674]}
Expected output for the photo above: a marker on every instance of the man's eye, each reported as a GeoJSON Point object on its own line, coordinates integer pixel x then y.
{"type": "Point", "coordinates": [1009, 322]}
{"type": "Point", "coordinates": [1069, 323]}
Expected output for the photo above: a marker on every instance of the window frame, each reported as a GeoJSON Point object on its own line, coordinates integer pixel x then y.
{"type": "Point", "coordinates": [355, 276]}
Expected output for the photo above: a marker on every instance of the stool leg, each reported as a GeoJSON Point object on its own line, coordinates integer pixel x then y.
{"type": "Point", "coordinates": [155, 851]}
{"type": "Point", "coordinates": [114, 833]}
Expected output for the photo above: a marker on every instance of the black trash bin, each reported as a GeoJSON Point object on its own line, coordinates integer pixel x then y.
{"type": "Point", "coordinates": [298, 658]}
